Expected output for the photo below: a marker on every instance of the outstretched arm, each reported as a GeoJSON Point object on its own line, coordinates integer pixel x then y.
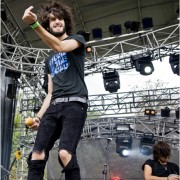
{"type": "Point", "coordinates": [53, 42]}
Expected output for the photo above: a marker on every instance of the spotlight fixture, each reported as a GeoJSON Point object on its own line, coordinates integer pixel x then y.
{"type": "Point", "coordinates": [165, 112]}
{"type": "Point", "coordinates": [174, 62]}
{"type": "Point", "coordinates": [86, 35]}
{"type": "Point", "coordinates": [88, 49]}
{"type": "Point", "coordinates": [122, 127]}
{"type": "Point", "coordinates": [150, 112]}
{"type": "Point", "coordinates": [147, 23]}
{"type": "Point", "coordinates": [111, 81]}
{"type": "Point", "coordinates": [116, 178]}
{"type": "Point", "coordinates": [132, 26]}
{"type": "Point", "coordinates": [115, 29]}
{"type": "Point", "coordinates": [97, 33]}
{"type": "Point", "coordinates": [146, 143]}
{"type": "Point", "coordinates": [142, 63]}
{"type": "Point", "coordinates": [124, 145]}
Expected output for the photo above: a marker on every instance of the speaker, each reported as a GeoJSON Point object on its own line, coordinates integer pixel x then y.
{"type": "Point", "coordinates": [11, 91]}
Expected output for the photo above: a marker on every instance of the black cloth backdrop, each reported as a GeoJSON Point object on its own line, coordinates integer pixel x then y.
{"type": "Point", "coordinates": [7, 122]}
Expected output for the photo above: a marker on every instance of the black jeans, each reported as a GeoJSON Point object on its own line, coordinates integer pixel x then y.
{"type": "Point", "coordinates": [65, 121]}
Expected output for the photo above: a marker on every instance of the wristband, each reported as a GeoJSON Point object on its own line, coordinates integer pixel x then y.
{"type": "Point", "coordinates": [32, 23]}
{"type": "Point", "coordinates": [35, 25]}
{"type": "Point", "coordinates": [38, 118]}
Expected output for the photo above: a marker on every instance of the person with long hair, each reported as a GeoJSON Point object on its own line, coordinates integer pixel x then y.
{"type": "Point", "coordinates": [159, 168]}
{"type": "Point", "coordinates": [64, 110]}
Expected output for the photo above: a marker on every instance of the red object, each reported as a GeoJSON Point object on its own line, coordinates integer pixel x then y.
{"type": "Point", "coordinates": [116, 178]}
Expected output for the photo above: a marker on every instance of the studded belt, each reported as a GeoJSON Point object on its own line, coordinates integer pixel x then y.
{"type": "Point", "coordinates": [68, 99]}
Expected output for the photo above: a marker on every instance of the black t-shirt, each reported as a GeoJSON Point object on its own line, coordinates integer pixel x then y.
{"type": "Point", "coordinates": [160, 170]}
{"type": "Point", "coordinates": [67, 71]}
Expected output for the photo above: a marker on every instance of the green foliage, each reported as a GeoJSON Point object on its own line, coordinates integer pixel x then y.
{"type": "Point", "coordinates": [92, 115]}
{"type": "Point", "coordinates": [16, 133]}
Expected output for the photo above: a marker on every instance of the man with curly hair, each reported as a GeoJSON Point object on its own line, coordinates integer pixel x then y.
{"type": "Point", "coordinates": [159, 168]}
{"type": "Point", "coordinates": [64, 109]}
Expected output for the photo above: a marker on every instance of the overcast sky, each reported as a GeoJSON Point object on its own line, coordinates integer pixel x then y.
{"type": "Point", "coordinates": [162, 71]}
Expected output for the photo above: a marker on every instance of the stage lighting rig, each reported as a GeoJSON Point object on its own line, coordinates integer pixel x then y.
{"type": "Point", "coordinates": [111, 81]}
{"type": "Point", "coordinates": [174, 62]}
{"type": "Point", "coordinates": [146, 143]}
{"type": "Point", "coordinates": [149, 112]}
{"type": "Point", "coordinates": [165, 112]}
{"type": "Point", "coordinates": [115, 30]}
{"type": "Point", "coordinates": [143, 63]}
{"type": "Point", "coordinates": [122, 127]}
{"type": "Point", "coordinates": [132, 26]}
{"type": "Point", "coordinates": [86, 35]}
{"type": "Point", "coordinates": [97, 33]}
{"type": "Point", "coordinates": [124, 145]}
{"type": "Point", "coordinates": [89, 49]}
{"type": "Point", "coordinates": [147, 23]}
{"type": "Point", "coordinates": [116, 178]}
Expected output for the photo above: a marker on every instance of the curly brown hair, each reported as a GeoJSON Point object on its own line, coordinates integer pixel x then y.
{"type": "Point", "coordinates": [59, 10]}
{"type": "Point", "coordinates": [161, 149]}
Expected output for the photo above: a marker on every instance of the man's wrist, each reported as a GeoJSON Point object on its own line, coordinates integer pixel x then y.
{"type": "Point", "coordinates": [38, 118]}
{"type": "Point", "coordinates": [34, 25]}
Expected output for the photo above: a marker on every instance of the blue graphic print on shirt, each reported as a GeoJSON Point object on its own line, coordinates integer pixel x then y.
{"type": "Point", "coordinates": [58, 63]}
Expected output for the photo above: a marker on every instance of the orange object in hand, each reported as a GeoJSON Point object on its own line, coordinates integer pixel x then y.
{"type": "Point", "coordinates": [29, 121]}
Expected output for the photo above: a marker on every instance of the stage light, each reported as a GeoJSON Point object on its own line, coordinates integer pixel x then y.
{"type": "Point", "coordinates": [150, 112]}
{"type": "Point", "coordinates": [97, 33]}
{"type": "Point", "coordinates": [111, 81]}
{"type": "Point", "coordinates": [116, 178]}
{"type": "Point", "coordinates": [86, 35]}
{"type": "Point", "coordinates": [132, 26]}
{"type": "Point", "coordinates": [147, 23]}
{"type": "Point", "coordinates": [146, 143]}
{"type": "Point", "coordinates": [88, 49]}
{"type": "Point", "coordinates": [142, 63]}
{"type": "Point", "coordinates": [174, 62]}
{"type": "Point", "coordinates": [122, 127]}
{"type": "Point", "coordinates": [124, 145]}
{"type": "Point", "coordinates": [165, 112]}
{"type": "Point", "coordinates": [124, 151]}
{"type": "Point", "coordinates": [115, 29]}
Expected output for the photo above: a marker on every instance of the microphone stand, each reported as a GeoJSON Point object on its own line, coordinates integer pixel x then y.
{"type": "Point", "coordinates": [106, 159]}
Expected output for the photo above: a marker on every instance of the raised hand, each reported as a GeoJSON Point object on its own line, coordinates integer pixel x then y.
{"type": "Point", "coordinates": [29, 17]}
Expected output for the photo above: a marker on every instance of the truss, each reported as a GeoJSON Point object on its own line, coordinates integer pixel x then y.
{"type": "Point", "coordinates": [109, 53]}
{"type": "Point", "coordinates": [106, 54]}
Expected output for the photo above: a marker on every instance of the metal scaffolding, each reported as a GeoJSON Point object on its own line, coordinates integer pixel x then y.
{"type": "Point", "coordinates": [17, 54]}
